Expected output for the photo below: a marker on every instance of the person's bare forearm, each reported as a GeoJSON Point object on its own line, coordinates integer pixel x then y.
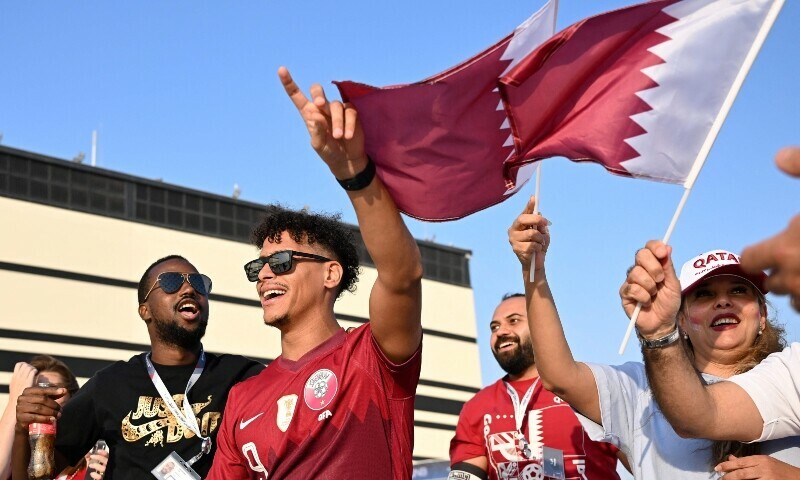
{"type": "Point", "coordinates": [554, 360]}
{"type": "Point", "coordinates": [388, 241]}
{"type": "Point", "coordinates": [560, 373]}
{"type": "Point", "coordinates": [22, 378]}
{"type": "Point", "coordinates": [529, 237]}
{"type": "Point", "coordinates": [396, 297]}
{"type": "Point", "coordinates": [7, 437]}
{"type": "Point", "coordinates": [679, 390]}
{"type": "Point", "coordinates": [722, 411]}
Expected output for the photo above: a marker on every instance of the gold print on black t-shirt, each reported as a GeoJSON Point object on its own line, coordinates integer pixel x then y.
{"type": "Point", "coordinates": [153, 419]}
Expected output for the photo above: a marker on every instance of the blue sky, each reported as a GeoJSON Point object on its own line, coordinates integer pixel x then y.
{"type": "Point", "coordinates": [187, 92]}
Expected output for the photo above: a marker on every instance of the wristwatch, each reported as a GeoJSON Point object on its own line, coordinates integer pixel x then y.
{"type": "Point", "coordinates": [660, 342]}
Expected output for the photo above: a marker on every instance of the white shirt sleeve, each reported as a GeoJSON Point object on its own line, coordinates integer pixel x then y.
{"type": "Point", "coordinates": [620, 389]}
{"type": "Point", "coordinates": [774, 386]}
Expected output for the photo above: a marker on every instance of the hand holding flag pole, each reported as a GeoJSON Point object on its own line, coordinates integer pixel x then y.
{"type": "Point", "coordinates": [766, 26]}
{"type": "Point", "coordinates": [638, 309]}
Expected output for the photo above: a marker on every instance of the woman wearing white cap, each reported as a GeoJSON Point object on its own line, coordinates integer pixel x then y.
{"type": "Point", "coordinates": [723, 327]}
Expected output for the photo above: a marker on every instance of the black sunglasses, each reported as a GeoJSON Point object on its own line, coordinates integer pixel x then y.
{"type": "Point", "coordinates": [171, 282]}
{"type": "Point", "coordinates": [279, 262]}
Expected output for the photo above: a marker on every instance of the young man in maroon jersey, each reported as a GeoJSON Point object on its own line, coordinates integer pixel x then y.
{"type": "Point", "coordinates": [515, 428]}
{"type": "Point", "coordinates": [333, 404]}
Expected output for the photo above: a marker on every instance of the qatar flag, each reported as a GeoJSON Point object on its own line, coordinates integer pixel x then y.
{"type": "Point", "coordinates": [439, 144]}
{"type": "Point", "coordinates": [638, 90]}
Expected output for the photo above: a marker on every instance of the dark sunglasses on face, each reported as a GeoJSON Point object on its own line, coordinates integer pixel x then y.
{"type": "Point", "coordinates": [171, 282]}
{"type": "Point", "coordinates": [279, 262]}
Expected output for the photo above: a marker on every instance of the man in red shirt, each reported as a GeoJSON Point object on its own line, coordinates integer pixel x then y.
{"type": "Point", "coordinates": [334, 404]}
{"type": "Point", "coordinates": [514, 428]}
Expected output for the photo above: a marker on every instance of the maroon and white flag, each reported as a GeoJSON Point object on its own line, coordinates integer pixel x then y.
{"type": "Point", "coordinates": [638, 90]}
{"type": "Point", "coordinates": [439, 144]}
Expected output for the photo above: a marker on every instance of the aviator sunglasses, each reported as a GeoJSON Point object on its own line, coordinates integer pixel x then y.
{"type": "Point", "coordinates": [279, 262]}
{"type": "Point", "coordinates": [171, 282]}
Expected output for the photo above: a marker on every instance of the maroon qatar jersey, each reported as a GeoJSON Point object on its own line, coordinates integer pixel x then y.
{"type": "Point", "coordinates": [342, 411]}
{"type": "Point", "coordinates": [486, 428]}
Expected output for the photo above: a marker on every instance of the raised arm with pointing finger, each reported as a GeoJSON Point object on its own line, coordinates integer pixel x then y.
{"type": "Point", "coordinates": [334, 393]}
{"type": "Point", "coordinates": [395, 300]}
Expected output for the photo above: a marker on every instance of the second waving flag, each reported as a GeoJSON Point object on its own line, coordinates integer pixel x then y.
{"type": "Point", "coordinates": [636, 90]}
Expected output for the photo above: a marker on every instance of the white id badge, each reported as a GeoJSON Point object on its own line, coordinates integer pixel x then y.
{"type": "Point", "coordinates": [174, 468]}
{"type": "Point", "coordinates": [553, 463]}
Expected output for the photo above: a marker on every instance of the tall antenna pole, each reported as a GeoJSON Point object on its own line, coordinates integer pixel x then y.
{"type": "Point", "coordinates": [94, 148]}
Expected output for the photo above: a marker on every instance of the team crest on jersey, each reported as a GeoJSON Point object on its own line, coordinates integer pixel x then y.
{"type": "Point", "coordinates": [320, 389]}
{"type": "Point", "coordinates": [286, 406]}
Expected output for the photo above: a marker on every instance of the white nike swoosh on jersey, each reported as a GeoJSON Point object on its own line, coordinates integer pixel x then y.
{"type": "Point", "coordinates": [244, 423]}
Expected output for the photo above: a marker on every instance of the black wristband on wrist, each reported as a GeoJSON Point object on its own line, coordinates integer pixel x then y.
{"type": "Point", "coordinates": [361, 180]}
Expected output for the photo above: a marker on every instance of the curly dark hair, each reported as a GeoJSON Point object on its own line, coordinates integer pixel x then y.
{"type": "Point", "coordinates": [325, 230]}
{"type": "Point", "coordinates": [145, 282]}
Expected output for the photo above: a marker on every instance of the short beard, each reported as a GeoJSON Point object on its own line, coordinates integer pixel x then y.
{"type": "Point", "coordinates": [173, 334]}
{"type": "Point", "coordinates": [519, 361]}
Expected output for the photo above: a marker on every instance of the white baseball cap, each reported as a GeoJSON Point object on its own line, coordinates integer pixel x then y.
{"type": "Point", "coordinates": [714, 263]}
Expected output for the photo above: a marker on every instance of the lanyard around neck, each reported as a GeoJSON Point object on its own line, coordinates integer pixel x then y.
{"type": "Point", "coordinates": [186, 417]}
{"type": "Point", "coordinates": [520, 407]}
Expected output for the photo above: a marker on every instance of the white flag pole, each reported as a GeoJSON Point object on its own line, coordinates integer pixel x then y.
{"type": "Point", "coordinates": [667, 236]}
{"type": "Point", "coordinates": [535, 210]}
{"type": "Point", "coordinates": [555, 16]}
{"type": "Point", "coordinates": [539, 166]}
{"type": "Point", "coordinates": [758, 42]}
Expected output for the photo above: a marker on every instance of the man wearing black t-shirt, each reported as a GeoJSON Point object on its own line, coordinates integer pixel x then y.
{"type": "Point", "coordinates": [138, 406]}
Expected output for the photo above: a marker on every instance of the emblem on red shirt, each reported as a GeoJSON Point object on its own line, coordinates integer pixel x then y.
{"type": "Point", "coordinates": [320, 389]}
{"type": "Point", "coordinates": [286, 406]}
